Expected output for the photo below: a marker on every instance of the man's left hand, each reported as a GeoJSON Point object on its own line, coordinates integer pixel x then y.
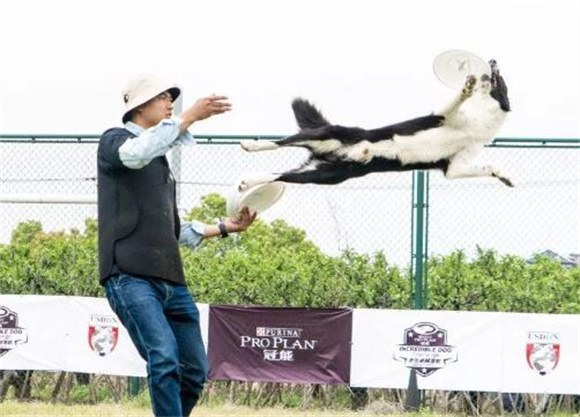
{"type": "Point", "coordinates": [245, 220]}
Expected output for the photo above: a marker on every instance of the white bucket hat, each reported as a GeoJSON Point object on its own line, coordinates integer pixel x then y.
{"type": "Point", "coordinates": [142, 88]}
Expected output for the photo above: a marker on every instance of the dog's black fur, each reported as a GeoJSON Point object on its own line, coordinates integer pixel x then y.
{"type": "Point", "coordinates": [332, 169]}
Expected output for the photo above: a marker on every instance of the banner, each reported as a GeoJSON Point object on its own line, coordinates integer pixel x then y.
{"type": "Point", "coordinates": [541, 353]}
{"type": "Point", "coordinates": [280, 344]}
{"type": "Point", "coordinates": [76, 334]}
{"type": "Point", "coordinates": [466, 351]}
{"type": "Point", "coordinates": [32, 333]}
{"type": "Point", "coordinates": [448, 350]}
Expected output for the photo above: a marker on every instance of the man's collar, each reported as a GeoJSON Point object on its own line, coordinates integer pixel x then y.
{"type": "Point", "coordinates": [134, 128]}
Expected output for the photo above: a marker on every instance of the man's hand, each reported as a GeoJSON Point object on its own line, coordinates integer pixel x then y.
{"type": "Point", "coordinates": [246, 219]}
{"type": "Point", "coordinates": [203, 108]}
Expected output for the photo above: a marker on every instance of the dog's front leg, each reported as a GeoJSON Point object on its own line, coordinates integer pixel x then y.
{"type": "Point", "coordinates": [464, 94]}
{"type": "Point", "coordinates": [464, 170]}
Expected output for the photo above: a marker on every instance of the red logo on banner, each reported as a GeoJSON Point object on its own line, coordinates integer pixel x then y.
{"type": "Point", "coordinates": [279, 344]}
{"type": "Point", "coordinates": [103, 334]}
{"type": "Point", "coordinates": [543, 351]}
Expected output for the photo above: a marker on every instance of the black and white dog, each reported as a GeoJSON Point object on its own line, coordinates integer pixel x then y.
{"type": "Point", "coordinates": [448, 140]}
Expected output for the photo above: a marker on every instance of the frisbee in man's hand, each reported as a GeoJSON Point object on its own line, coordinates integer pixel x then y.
{"type": "Point", "coordinates": [257, 199]}
{"type": "Point", "coordinates": [452, 67]}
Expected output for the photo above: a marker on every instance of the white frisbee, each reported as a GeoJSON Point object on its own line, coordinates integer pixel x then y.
{"type": "Point", "coordinates": [452, 67]}
{"type": "Point", "coordinates": [258, 199]}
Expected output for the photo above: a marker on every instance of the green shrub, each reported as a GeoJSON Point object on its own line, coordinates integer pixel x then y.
{"type": "Point", "coordinates": [276, 265]}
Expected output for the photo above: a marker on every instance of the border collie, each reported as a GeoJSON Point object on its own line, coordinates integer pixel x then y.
{"type": "Point", "coordinates": [448, 140]}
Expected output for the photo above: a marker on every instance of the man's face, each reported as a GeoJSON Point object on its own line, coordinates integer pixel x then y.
{"type": "Point", "coordinates": [157, 109]}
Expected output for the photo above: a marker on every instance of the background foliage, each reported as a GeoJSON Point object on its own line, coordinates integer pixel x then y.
{"type": "Point", "coordinates": [275, 265]}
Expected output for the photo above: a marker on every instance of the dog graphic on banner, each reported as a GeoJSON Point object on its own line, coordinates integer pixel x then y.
{"type": "Point", "coordinates": [103, 334]}
{"type": "Point", "coordinates": [11, 335]}
{"type": "Point", "coordinates": [425, 349]}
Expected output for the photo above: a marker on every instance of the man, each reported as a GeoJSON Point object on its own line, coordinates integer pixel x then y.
{"type": "Point", "coordinates": [139, 232]}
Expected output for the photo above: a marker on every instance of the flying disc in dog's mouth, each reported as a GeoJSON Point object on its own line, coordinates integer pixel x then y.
{"type": "Point", "coordinates": [258, 199]}
{"type": "Point", "coordinates": [452, 67]}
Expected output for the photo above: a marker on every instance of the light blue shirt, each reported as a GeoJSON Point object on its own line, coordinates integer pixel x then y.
{"type": "Point", "coordinates": [151, 143]}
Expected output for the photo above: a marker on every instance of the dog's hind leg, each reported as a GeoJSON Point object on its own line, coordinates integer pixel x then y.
{"type": "Point", "coordinates": [267, 145]}
{"type": "Point", "coordinates": [330, 174]}
{"type": "Point", "coordinates": [325, 174]}
{"type": "Point", "coordinates": [315, 139]}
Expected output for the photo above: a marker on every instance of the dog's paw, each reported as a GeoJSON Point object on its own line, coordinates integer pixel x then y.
{"type": "Point", "coordinates": [249, 145]}
{"type": "Point", "coordinates": [469, 86]}
{"type": "Point", "coordinates": [506, 181]}
{"type": "Point", "coordinates": [503, 179]}
{"type": "Point", "coordinates": [243, 185]}
{"type": "Point", "coordinates": [247, 184]}
{"type": "Point", "coordinates": [258, 145]}
{"type": "Point", "coordinates": [252, 181]}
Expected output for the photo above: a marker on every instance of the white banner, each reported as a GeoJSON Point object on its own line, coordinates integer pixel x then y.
{"type": "Point", "coordinates": [76, 334]}
{"type": "Point", "coordinates": [449, 350]}
{"type": "Point", "coordinates": [30, 333]}
{"type": "Point", "coordinates": [466, 351]}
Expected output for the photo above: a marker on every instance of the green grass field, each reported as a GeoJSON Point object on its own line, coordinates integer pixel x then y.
{"type": "Point", "coordinates": [13, 409]}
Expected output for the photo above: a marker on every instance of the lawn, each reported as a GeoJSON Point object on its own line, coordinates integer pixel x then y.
{"type": "Point", "coordinates": [12, 408]}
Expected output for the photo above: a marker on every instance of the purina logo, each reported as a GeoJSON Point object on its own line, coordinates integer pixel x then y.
{"type": "Point", "coordinates": [543, 351]}
{"type": "Point", "coordinates": [278, 343]}
{"type": "Point", "coordinates": [103, 334]}
{"type": "Point", "coordinates": [10, 334]}
{"type": "Point", "coordinates": [425, 349]}
{"type": "Point", "coordinates": [278, 332]}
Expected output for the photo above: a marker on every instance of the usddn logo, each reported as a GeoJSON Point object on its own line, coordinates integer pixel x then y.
{"type": "Point", "coordinates": [103, 333]}
{"type": "Point", "coordinates": [543, 351]}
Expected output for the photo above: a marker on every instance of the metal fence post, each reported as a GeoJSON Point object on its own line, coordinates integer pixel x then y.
{"type": "Point", "coordinates": [419, 239]}
{"type": "Point", "coordinates": [134, 385]}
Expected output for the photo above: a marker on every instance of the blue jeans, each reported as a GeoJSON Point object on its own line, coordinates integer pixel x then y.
{"type": "Point", "coordinates": [163, 323]}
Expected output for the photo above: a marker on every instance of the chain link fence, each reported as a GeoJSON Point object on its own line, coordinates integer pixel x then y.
{"type": "Point", "coordinates": [335, 218]}
{"type": "Point", "coordinates": [540, 213]}
{"type": "Point", "coordinates": [367, 214]}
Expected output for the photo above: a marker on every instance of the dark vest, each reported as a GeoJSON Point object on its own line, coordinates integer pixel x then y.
{"type": "Point", "coordinates": [138, 219]}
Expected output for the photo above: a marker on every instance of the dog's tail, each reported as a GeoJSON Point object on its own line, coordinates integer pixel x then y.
{"type": "Point", "coordinates": [307, 116]}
